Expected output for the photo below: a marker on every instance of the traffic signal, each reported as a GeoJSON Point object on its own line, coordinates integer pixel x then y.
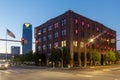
{"type": "Point", "coordinates": [36, 42]}
{"type": "Point", "coordinates": [22, 41]}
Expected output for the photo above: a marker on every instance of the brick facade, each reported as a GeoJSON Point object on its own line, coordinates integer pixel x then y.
{"type": "Point", "coordinates": [73, 31]}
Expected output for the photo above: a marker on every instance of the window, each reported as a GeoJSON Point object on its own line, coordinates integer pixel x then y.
{"type": "Point", "coordinates": [49, 28]}
{"type": "Point", "coordinates": [63, 43]}
{"type": "Point", "coordinates": [55, 44]}
{"type": "Point", "coordinates": [63, 22]}
{"type": "Point", "coordinates": [88, 25]}
{"type": "Point", "coordinates": [39, 40]}
{"type": "Point", "coordinates": [75, 43]}
{"type": "Point", "coordinates": [83, 23]}
{"type": "Point", "coordinates": [76, 21]}
{"type": "Point", "coordinates": [93, 27]}
{"type": "Point", "coordinates": [44, 30]}
{"type": "Point", "coordinates": [44, 47]}
{"type": "Point", "coordinates": [56, 35]}
{"type": "Point", "coordinates": [64, 32]}
{"type": "Point", "coordinates": [49, 36]}
{"type": "Point", "coordinates": [82, 34]}
{"type": "Point", "coordinates": [108, 33]}
{"type": "Point", "coordinates": [39, 48]}
{"type": "Point", "coordinates": [56, 25]}
{"type": "Point", "coordinates": [97, 29]}
{"type": "Point", "coordinates": [76, 31]}
{"type": "Point", "coordinates": [49, 46]}
{"type": "Point", "coordinates": [44, 38]}
{"type": "Point", "coordinates": [39, 32]}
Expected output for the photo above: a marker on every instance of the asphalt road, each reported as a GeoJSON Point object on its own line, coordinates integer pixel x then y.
{"type": "Point", "coordinates": [18, 73]}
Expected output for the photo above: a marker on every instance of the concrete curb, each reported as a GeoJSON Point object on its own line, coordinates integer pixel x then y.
{"type": "Point", "coordinates": [92, 68]}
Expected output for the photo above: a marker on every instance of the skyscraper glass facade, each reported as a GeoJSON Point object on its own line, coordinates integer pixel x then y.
{"type": "Point", "coordinates": [27, 35]}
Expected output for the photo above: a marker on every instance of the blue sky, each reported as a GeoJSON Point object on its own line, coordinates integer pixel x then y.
{"type": "Point", "coordinates": [14, 13]}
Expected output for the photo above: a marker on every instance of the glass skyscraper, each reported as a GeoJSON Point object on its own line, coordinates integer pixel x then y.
{"type": "Point", "coordinates": [27, 35]}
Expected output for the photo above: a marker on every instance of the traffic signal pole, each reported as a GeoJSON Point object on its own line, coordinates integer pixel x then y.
{"type": "Point", "coordinates": [10, 40]}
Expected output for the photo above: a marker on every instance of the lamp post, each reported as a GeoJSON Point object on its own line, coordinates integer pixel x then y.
{"type": "Point", "coordinates": [85, 43]}
{"type": "Point", "coordinates": [85, 59]}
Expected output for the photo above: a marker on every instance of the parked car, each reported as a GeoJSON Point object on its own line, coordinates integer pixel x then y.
{"type": "Point", "coordinates": [4, 64]}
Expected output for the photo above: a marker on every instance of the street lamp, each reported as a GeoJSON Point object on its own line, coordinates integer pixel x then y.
{"type": "Point", "coordinates": [85, 43]}
{"type": "Point", "coordinates": [85, 59]}
{"type": "Point", "coordinates": [61, 56]}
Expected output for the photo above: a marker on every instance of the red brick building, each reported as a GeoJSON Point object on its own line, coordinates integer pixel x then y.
{"type": "Point", "coordinates": [74, 31]}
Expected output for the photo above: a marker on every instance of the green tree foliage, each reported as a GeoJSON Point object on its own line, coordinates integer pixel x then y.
{"type": "Point", "coordinates": [56, 55]}
{"type": "Point", "coordinates": [111, 56]}
{"type": "Point", "coordinates": [117, 56]}
{"type": "Point", "coordinates": [96, 56]}
{"type": "Point", "coordinates": [66, 56]}
{"type": "Point", "coordinates": [25, 57]}
{"type": "Point", "coordinates": [29, 56]}
{"type": "Point", "coordinates": [59, 54]}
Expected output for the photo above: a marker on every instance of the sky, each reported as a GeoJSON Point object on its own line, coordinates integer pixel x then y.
{"type": "Point", "coordinates": [14, 13]}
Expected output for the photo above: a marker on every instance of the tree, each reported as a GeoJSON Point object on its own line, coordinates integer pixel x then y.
{"type": "Point", "coordinates": [111, 56]}
{"type": "Point", "coordinates": [96, 56]}
{"type": "Point", "coordinates": [58, 55]}
{"type": "Point", "coordinates": [37, 58]}
{"type": "Point", "coordinates": [28, 57]}
{"type": "Point", "coordinates": [117, 56]}
{"type": "Point", "coordinates": [66, 56]}
{"type": "Point", "coordinates": [55, 55]}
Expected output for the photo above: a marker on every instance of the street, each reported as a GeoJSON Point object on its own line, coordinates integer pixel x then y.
{"type": "Point", "coordinates": [17, 73]}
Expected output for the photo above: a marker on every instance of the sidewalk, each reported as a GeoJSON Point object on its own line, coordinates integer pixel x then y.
{"type": "Point", "coordinates": [93, 68]}
{"type": "Point", "coordinates": [30, 67]}
{"type": "Point", "coordinates": [89, 68]}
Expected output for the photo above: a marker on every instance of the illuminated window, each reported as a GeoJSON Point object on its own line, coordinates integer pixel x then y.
{"type": "Point", "coordinates": [55, 44]}
{"type": "Point", "coordinates": [108, 33]}
{"type": "Point", "coordinates": [83, 23]}
{"type": "Point", "coordinates": [88, 25]}
{"type": "Point", "coordinates": [63, 43]}
{"type": "Point", "coordinates": [63, 22]}
{"type": "Point", "coordinates": [75, 43]}
{"type": "Point", "coordinates": [56, 35]}
{"type": "Point", "coordinates": [76, 31]}
{"type": "Point", "coordinates": [39, 32]}
{"type": "Point", "coordinates": [76, 21]}
{"type": "Point", "coordinates": [97, 29]}
{"type": "Point", "coordinates": [64, 32]}
{"type": "Point", "coordinates": [49, 28]}
{"type": "Point", "coordinates": [56, 25]}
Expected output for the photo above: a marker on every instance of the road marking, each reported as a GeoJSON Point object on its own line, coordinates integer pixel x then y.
{"type": "Point", "coordinates": [9, 71]}
{"type": "Point", "coordinates": [106, 70]}
{"type": "Point", "coordinates": [84, 75]}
